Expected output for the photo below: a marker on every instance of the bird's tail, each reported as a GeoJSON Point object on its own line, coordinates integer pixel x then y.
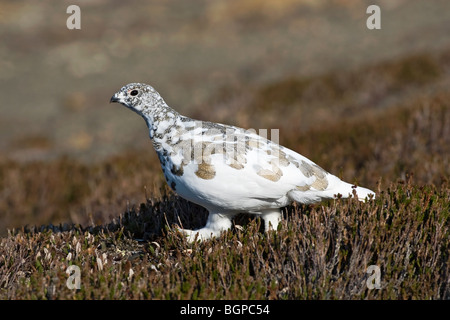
{"type": "Point", "coordinates": [348, 190]}
{"type": "Point", "coordinates": [335, 187]}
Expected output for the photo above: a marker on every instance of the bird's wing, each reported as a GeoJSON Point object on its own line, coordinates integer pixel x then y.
{"type": "Point", "coordinates": [260, 162]}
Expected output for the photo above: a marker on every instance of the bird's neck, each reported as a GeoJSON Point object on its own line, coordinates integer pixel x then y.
{"type": "Point", "coordinates": [160, 120]}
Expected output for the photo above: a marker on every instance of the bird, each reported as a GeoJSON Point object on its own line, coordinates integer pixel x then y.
{"type": "Point", "coordinates": [229, 170]}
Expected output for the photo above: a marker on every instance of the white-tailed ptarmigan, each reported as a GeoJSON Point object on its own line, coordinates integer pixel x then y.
{"type": "Point", "coordinates": [226, 169]}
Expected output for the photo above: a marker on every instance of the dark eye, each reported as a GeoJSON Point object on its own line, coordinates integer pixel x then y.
{"type": "Point", "coordinates": [134, 93]}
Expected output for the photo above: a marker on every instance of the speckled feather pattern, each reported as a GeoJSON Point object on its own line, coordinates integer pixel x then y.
{"type": "Point", "coordinates": [227, 169]}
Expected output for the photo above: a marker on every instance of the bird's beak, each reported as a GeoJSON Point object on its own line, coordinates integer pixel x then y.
{"type": "Point", "coordinates": [114, 98]}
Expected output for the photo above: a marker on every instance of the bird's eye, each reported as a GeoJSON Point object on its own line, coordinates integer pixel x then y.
{"type": "Point", "coordinates": [134, 93]}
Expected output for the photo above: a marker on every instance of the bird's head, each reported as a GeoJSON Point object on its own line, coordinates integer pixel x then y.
{"type": "Point", "coordinates": [139, 97]}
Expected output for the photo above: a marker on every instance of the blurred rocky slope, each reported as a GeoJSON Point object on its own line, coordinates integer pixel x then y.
{"type": "Point", "coordinates": [235, 61]}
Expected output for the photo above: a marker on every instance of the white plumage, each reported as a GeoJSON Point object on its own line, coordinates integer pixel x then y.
{"type": "Point", "coordinates": [226, 169]}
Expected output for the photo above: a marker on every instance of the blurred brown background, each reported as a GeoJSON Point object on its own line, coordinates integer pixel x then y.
{"type": "Point", "coordinates": [306, 67]}
{"type": "Point", "coordinates": [56, 83]}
